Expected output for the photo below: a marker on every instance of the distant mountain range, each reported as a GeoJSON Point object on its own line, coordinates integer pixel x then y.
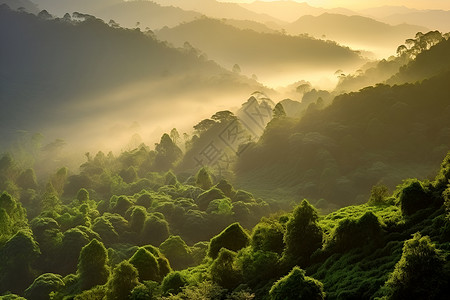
{"type": "Point", "coordinates": [57, 73]}
{"type": "Point", "coordinates": [290, 11]}
{"type": "Point", "coordinates": [260, 53]}
{"type": "Point", "coordinates": [353, 29]}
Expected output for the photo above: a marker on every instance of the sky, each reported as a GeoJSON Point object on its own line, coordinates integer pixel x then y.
{"type": "Point", "coordinates": [358, 4]}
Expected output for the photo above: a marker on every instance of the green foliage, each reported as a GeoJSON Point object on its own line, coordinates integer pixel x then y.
{"type": "Point", "coordinates": [378, 195]}
{"type": "Point", "coordinates": [170, 178]}
{"type": "Point", "coordinates": [145, 291]}
{"type": "Point", "coordinates": [167, 154]}
{"type": "Point", "coordinates": [296, 285]}
{"type": "Point", "coordinates": [205, 198]}
{"type": "Point", "coordinates": [203, 179]}
{"type": "Point", "coordinates": [18, 254]}
{"type": "Point", "coordinates": [173, 283]}
{"type": "Point", "coordinates": [121, 205]}
{"type": "Point", "coordinates": [178, 253]}
{"type": "Point", "coordinates": [137, 218]}
{"type": "Point", "coordinates": [233, 238]}
{"type": "Point", "coordinates": [92, 265]}
{"type": "Point", "coordinates": [268, 235]}
{"type": "Point", "coordinates": [145, 200]}
{"type": "Point", "coordinates": [303, 234]}
{"type": "Point", "coordinates": [104, 228]}
{"type": "Point", "coordinates": [123, 279]}
{"type": "Point", "coordinates": [258, 267]}
{"type": "Point", "coordinates": [225, 270]}
{"type": "Point", "coordinates": [226, 188]}
{"type": "Point", "coordinates": [73, 240]}
{"type": "Point", "coordinates": [146, 264]}
{"type": "Point", "coordinates": [83, 195]}
{"type": "Point", "coordinates": [43, 285]}
{"type": "Point", "coordinates": [413, 197]}
{"type": "Point", "coordinates": [420, 272]}
{"type": "Point", "coordinates": [155, 231]}
{"type": "Point", "coordinates": [352, 233]}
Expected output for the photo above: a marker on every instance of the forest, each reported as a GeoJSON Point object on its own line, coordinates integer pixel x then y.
{"type": "Point", "coordinates": [153, 164]}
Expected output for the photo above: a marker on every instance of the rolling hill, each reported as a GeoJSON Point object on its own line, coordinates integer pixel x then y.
{"type": "Point", "coordinates": [263, 54]}
{"type": "Point", "coordinates": [61, 76]}
{"type": "Point", "coordinates": [354, 30]}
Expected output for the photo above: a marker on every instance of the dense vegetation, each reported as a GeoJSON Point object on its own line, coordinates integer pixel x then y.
{"type": "Point", "coordinates": [151, 236]}
{"type": "Point", "coordinates": [276, 201]}
{"type": "Point", "coordinates": [378, 135]}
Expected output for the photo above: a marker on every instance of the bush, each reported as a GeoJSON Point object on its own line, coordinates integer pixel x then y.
{"type": "Point", "coordinates": [297, 286]}
{"type": "Point", "coordinates": [173, 283]}
{"type": "Point", "coordinates": [225, 271]}
{"type": "Point", "coordinates": [420, 272]}
{"type": "Point", "coordinates": [43, 285]}
{"type": "Point", "coordinates": [303, 235]}
{"type": "Point", "coordinates": [146, 264]}
{"type": "Point", "coordinates": [233, 238]}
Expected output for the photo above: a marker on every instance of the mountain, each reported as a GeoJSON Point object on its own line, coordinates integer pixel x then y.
{"type": "Point", "coordinates": [29, 6]}
{"type": "Point", "coordinates": [289, 11]}
{"type": "Point", "coordinates": [216, 9]}
{"type": "Point", "coordinates": [148, 14]}
{"type": "Point", "coordinates": [421, 59]}
{"type": "Point", "coordinates": [385, 11]}
{"type": "Point", "coordinates": [264, 54]}
{"type": "Point", "coordinates": [356, 31]}
{"type": "Point", "coordinates": [380, 134]}
{"type": "Point", "coordinates": [61, 76]}
{"type": "Point", "coordinates": [433, 19]}
{"type": "Point", "coordinates": [60, 7]}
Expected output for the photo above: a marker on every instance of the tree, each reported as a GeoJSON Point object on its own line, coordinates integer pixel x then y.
{"type": "Point", "coordinates": [203, 179]}
{"type": "Point", "coordinates": [303, 235]}
{"type": "Point", "coordinates": [173, 283]}
{"type": "Point", "coordinates": [419, 274]}
{"type": "Point", "coordinates": [146, 264]}
{"type": "Point", "coordinates": [43, 285]}
{"type": "Point", "coordinates": [92, 265]}
{"type": "Point", "coordinates": [233, 238]}
{"type": "Point", "coordinates": [224, 116]}
{"type": "Point", "coordinates": [137, 218]}
{"type": "Point", "coordinates": [17, 256]}
{"type": "Point", "coordinates": [155, 230]}
{"type": "Point", "coordinates": [413, 198]}
{"type": "Point", "coordinates": [178, 253]}
{"type": "Point", "coordinates": [175, 136]}
{"type": "Point", "coordinates": [83, 195]}
{"type": "Point", "coordinates": [297, 286]}
{"type": "Point", "coordinates": [167, 154]}
{"type": "Point", "coordinates": [224, 270]}
{"type": "Point", "coordinates": [124, 278]}
{"type": "Point", "coordinates": [278, 111]}
{"type": "Point", "coordinates": [204, 126]}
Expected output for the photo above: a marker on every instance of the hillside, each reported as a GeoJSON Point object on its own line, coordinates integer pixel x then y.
{"type": "Point", "coordinates": [266, 55]}
{"type": "Point", "coordinates": [290, 11]}
{"type": "Point", "coordinates": [60, 7]}
{"type": "Point", "coordinates": [420, 59]}
{"type": "Point", "coordinates": [219, 9]}
{"type": "Point", "coordinates": [433, 19]}
{"type": "Point", "coordinates": [120, 230]}
{"type": "Point", "coordinates": [61, 76]}
{"type": "Point", "coordinates": [380, 134]}
{"type": "Point", "coordinates": [147, 13]}
{"type": "Point", "coordinates": [354, 30]}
